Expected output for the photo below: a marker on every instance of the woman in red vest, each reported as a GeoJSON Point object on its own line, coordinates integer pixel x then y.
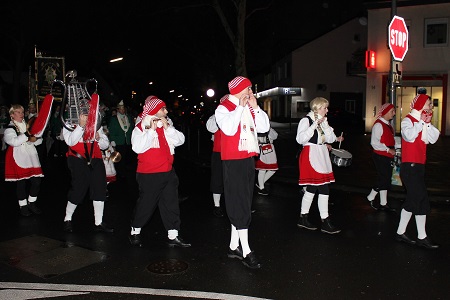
{"type": "Point", "coordinates": [417, 133]}
{"type": "Point", "coordinates": [383, 144]}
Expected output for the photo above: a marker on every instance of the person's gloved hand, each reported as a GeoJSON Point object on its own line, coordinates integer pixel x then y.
{"type": "Point", "coordinates": [426, 116]}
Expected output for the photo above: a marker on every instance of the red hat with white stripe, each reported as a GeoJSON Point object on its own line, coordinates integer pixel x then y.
{"type": "Point", "coordinates": [152, 105]}
{"type": "Point", "coordinates": [238, 84]}
{"type": "Point", "coordinates": [419, 101]}
{"type": "Point", "coordinates": [385, 108]}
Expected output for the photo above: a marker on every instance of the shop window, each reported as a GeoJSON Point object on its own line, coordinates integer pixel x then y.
{"type": "Point", "coordinates": [436, 32]}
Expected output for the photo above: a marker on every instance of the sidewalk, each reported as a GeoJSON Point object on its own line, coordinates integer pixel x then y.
{"type": "Point", "coordinates": [360, 175]}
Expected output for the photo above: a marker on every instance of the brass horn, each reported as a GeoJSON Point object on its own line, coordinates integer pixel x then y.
{"type": "Point", "coordinates": [115, 156]}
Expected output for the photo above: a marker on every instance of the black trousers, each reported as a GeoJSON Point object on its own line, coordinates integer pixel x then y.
{"type": "Point", "coordinates": [216, 184]}
{"type": "Point", "coordinates": [157, 189]}
{"type": "Point", "coordinates": [413, 177]}
{"type": "Point", "coordinates": [384, 172]}
{"type": "Point", "coordinates": [84, 178]}
{"type": "Point", "coordinates": [239, 181]}
{"type": "Point", "coordinates": [21, 188]}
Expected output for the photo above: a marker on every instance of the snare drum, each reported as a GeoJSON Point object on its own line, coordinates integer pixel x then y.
{"type": "Point", "coordinates": [341, 157]}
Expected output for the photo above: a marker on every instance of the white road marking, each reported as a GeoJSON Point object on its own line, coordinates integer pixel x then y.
{"type": "Point", "coordinates": [74, 289]}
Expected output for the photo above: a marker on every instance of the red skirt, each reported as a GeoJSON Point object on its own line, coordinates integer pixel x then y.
{"type": "Point", "coordinates": [308, 175]}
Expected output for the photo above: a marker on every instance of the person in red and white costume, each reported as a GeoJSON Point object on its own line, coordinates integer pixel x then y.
{"type": "Point", "coordinates": [154, 140]}
{"type": "Point", "coordinates": [417, 132]}
{"type": "Point", "coordinates": [216, 182]}
{"type": "Point", "coordinates": [85, 162]}
{"type": "Point", "coordinates": [316, 173]}
{"type": "Point", "coordinates": [240, 118]}
{"type": "Point", "coordinates": [22, 161]}
{"type": "Point", "coordinates": [383, 144]}
{"type": "Point", "coordinates": [267, 163]}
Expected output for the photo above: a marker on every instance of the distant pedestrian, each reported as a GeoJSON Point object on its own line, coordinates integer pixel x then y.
{"type": "Point", "coordinates": [154, 140]}
{"type": "Point", "coordinates": [417, 132]}
{"type": "Point", "coordinates": [216, 181]}
{"type": "Point", "coordinates": [22, 161]}
{"type": "Point", "coordinates": [383, 144]}
{"type": "Point", "coordinates": [267, 163]}
{"type": "Point", "coordinates": [240, 118]}
{"type": "Point", "coordinates": [316, 172]}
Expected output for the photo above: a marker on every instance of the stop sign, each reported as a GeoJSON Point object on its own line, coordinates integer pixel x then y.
{"type": "Point", "coordinates": [398, 38]}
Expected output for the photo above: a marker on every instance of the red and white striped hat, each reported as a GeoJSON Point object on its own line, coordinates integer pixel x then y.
{"type": "Point", "coordinates": [385, 108]}
{"type": "Point", "coordinates": [238, 84]}
{"type": "Point", "coordinates": [419, 101]}
{"type": "Point", "coordinates": [152, 105]}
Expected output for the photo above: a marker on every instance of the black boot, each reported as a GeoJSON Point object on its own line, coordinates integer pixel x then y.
{"type": "Point", "coordinates": [327, 227]}
{"type": "Point", "coordinates": [304, 223]}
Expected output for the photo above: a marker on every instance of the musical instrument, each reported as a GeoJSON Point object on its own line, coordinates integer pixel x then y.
{"type": "Point", "coordinates": [341, 157]}
{"type": "Point", "coordinates": [78, 101]}
{"type": "Point", "coordinates": [115, 156]}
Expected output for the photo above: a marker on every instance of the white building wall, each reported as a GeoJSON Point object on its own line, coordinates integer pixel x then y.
{"type": "Point", "coordinates": [323, 61]}
{"type": "Point", "coordinates": [419, 60]}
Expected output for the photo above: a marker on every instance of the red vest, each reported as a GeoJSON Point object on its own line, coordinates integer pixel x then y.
{"type": "Point", "coordinates": [79, 148]}
{"type": "Point", "coordinates": [387, 138]}
{"type": "Point", "coordinates": [230, 144]}
{"type": "Point", "coordinates": [156, 160]}
{"type": "Point", "coordinates": [217, 141]}
{"type": "Point", "coordinates": [415, 152]}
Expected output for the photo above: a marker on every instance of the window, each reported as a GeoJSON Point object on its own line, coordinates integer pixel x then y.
{"type": "Point", "coordinates": [436, 32]}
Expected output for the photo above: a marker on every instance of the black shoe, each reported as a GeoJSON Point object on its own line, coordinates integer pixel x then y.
{"type": "Point", "coordinates": [405, 239]}
{"type": "Point", "coordinates": [251, 261]}
{"type": "Point", "coordinates": [263, 192]}
{"type": "Point", "coordinates": [25, 211]}
{"type": "Point", "coordinates": [386, 208]}
{"type": "Point", "coordinates": [34, 209]}
{"type": "Point", "coordinates": [327, 227]}
{"type": "Point", "coordinates": [68, 226]}
{"type": "Point", "coordinates": [236, 253]}
{"type": "Point", "coordinates": [103, 228]}
{"type": "Point", "coordinates": [426, 243]}
{"type": "Point", "coordinates": [373, 205]}
{"type": "Point", "coordinates": [304, 223]}
{"type": "Point", "coordinates": [218, 212]}
{"type": "Point", "coordinates": [135, 240]}
{"type": "Point", "coordinates": [178, 242]}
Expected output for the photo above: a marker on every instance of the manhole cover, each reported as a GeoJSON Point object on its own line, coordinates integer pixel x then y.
{"type": "Point", "coordinates": [169, 266]}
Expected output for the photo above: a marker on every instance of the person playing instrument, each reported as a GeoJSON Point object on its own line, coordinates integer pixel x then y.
{"type": "Point", "coordinates": [154, 140]}
{"type": "Point", "coordinates": [84, 159]}
{"type": "Point", "coordinates": [216, 182]}
{"type": "Point", "coordinates": [417, 132]}
{"type": "Point", "coordinates": [239, 119]}
{"type": "Point", "coordinates": [22, 161]}
{"type": "Point", "coordinates": [316, 172]}
{"type": "Point", "coordinates": [383, 144]}
{"type": "Point", "coordinates": [266, 164]}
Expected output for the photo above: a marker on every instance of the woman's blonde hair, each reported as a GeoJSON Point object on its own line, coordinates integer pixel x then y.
{"type": "Point", "coordinates": [317, 103]}
{"type": "Point", "coordinates": [15, 107]}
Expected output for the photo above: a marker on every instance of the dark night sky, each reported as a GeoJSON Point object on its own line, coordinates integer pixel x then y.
{"type": "Point", "coordinates": [177, 44]}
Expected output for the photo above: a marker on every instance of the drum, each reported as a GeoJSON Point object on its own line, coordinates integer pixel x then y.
{"type": "Point", "coordinates": [341, 157]}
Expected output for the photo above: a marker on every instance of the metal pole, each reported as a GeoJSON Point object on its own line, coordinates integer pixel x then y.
{"type": "Point", "coordinates": [392, 86]}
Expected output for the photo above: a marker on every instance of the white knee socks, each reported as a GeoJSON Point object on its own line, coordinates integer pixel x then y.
{"type": "Point", "coordinates": [98, 211]}
{"type": "Point", "coordinates": [234, 241]}
{"type": "Point", "coordinates": [323, 206]}
{"type": "Point", "coordinates": [405, 216]}
{"type": "Point", "coordinates": [261, 175]}
{"type": "Point", "coordinates": [216, 198]}
{"type": "Point", "coordinates": [420, 223]}
{"type": "Point", "coordinates": [32, 199]}
{"type": "Point", "coordinates": [306, 202]}
{"type": "Point", "coordinates": [70, 208]}
{"type": "Point", "coordinates": [23, 202]}
{"type": "Point", "coordinates": [372, 195]}
{"type": "Point", "coordinates": [383, 197]}
{"type": "Point", "coordinates": [243, 238]}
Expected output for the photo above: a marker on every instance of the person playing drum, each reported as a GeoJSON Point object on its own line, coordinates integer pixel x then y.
{"type": "Point", "coordinates": [316, 172]}
{"type": "Point", "coordinates": [383, 144]}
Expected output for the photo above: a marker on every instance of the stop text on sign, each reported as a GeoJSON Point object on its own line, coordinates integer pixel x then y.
{"type": "Point", "coordinates": [398, 38]}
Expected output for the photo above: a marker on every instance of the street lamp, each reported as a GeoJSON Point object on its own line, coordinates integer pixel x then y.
{"type": "Point", "coordinates": [210, 93]}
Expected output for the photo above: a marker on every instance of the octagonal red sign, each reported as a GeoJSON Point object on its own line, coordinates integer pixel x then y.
{"type": "Point", "coordinates": [398, 38]}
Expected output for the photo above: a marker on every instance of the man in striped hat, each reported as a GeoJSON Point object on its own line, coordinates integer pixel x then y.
{"type": "Point", "coordinates": [154, 140]}
{"type": "Point", "coordinates": [239, 119]}
{"type": "Point", "coordinates": [383, 144]}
